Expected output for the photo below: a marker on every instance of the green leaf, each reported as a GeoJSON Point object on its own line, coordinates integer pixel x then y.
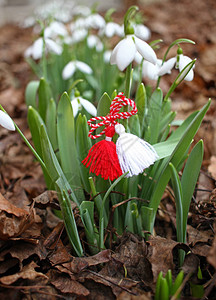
{"type": "Point", "coordinates": [68, 217]}
{"type": "Point", "coordinates": [153, 119]}
{"type": "Point", "coordinates": [67, 145]}
{"type": "Point", "coordinates": [83, 143]}
{"type": "Point", "coordinates": [87, 215]}
{"type": "Point", "coordinates": [164, 289]}
{"type": "Point", "coordinates": [140, 101]}
{"type": "Point", "coordinates": [53, 166]}
{"type": "Point", "coordinates": [163, 176]}
{"type": "Point", "coordinates": [177, 283]}
{"type": "Point", "coordinates": [31, 93]}
{"type": "Point", "coordinates": [51, 123]}
{"type": "Point", "coordinates": [176, 184]}
{"type": "Point", "coordinates": [158, 286]}
{"type": "Point", "coordinates": [44, 95]}
{"type": "Point", "coordinates": [189, 180]}
{"type": "Point", "coordinates": [103, 107]}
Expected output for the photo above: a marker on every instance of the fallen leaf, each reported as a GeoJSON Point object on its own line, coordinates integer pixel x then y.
{"type": "Point", "coordinates": [13, 220]}
{"type": "Point", "coordinates": [211, 257]}
{"type": "Point", "coordinates": [160, 255]}
{"type": "Point", "coordinates": [64, 283]}
{"type": "Point", "coordinates": [28, 272]}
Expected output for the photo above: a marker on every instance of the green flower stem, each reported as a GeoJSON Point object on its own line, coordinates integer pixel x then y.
{"type": "Point", "coordinates": [127, 91]}
{"type": "Point", "coordinates": [27, 142]}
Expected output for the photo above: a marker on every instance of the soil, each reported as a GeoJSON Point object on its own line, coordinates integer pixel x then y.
{"type": "Point", "coordinates": [36, 261]}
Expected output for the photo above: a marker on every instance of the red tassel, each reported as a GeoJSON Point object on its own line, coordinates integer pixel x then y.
{"type": "Point", "coordinates": [102, 157]}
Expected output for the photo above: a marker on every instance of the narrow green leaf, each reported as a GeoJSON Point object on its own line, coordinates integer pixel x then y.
{"type": "Point", "coordinates": [31, 93]}
{"type": "Point", "coordinates": [83, 144]}
{"type": "Point", "coordinates": [103, 105]}
{"type": "Point", "coordinates": [153, 119]}
{"type": "Point", "coordinates": [53, 165]}
{"type": "Point", "coordinates": [158, 286]}
{"type": "Point", "coordinates": [68, 217]}
{"type": "Point", "coordinates": [140, 101]}
{"type": "Point", "coordinates": [67, 145]}
{"type": "Point", "coordinates": [189, 180]}
{"type": "Point", "coordinates": [44, 95]}
{"type": "Point", "coordinates": [179, 151]}
{"type": "Point", "coordinates": [51, 123]}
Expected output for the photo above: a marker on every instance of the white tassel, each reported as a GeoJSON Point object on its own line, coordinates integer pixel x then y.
{"type": "Point", "coordinates": [134, 154]}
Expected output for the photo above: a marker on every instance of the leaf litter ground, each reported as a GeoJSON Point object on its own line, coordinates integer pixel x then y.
{"type": "Point", "coordinates": [35, 256]}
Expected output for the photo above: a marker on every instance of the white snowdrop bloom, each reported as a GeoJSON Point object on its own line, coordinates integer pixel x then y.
{"type": "Point", "coordinates": [124, 52]}
{"type": "Point", "coordinates": [80, 23]}
{"type": "Point", "coordinates": [55, 29]}
{"type": "Point", "coordinates": [72, 66]}
{"type": "Point", "coordinates": [151, 71]}
{"type": "Point", "coordinates": [94, 41]}
{"type": "Point", "coordinates": [112, 29]}
{"type": "Point", "coordinates": [95, 21]}
{"type": "Point", "coordinates": [36, 50]}
{"type": "Point", "coordinates": [6, 121]}
{"type": "Point", "coordinates": [142, 32]}
{"type": "Point", "coordinates": [79, 102]}
{"type": "Point", "coordinates": [183, 61]}
{"type": "Point", "coordinates": [77, 36]}
{"type": "Point", "coordinates": [181, 64]}
{"type": "Point", "coordinates": [106, 56]}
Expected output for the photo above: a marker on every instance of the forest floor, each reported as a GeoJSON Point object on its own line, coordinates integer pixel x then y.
{"type": "Point", "coordinates": [35, 257]}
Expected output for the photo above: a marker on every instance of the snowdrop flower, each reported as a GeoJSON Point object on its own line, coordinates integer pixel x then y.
{"type": "Point", "coordinates": [6, 121]}
{"type": "Point", "coordinates": [77, 36]}
{"type": "Point", "coordinates": [36, 50]}
{"type": "Point", "coordinates": [95, 21]}
{"type": "Point", "coordinates": [125, 51]}
{"type": "Point", "coordinates": [94, 41]}
{"type": "Point", "coordinates": [78, 103]}
{"type": "Point", "coordinates": [106, 56]}
{"type": "Point", "coordinates": [112, 29]}
{"type": "Point", "coordinates": [180, 62]}
{"type": "Point", "coordinates": [142, 32]}
{"type": "Point", "coordinates": [55, 29]}
{"type": "Point", "coordinates": [72, 66]}
{"type": "Point", "coordinates": [150, 70]}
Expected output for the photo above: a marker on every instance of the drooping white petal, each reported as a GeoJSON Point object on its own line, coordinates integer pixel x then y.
{"type": "Point", "coordinates": [68, 70]}
{"type": "Point", "coordinates": [124, 53]}
{"type": "Point", "coordinates": [149, 70]}
{"type": "Point", "coordinates": [94, 41]}
{"type": "Point", "coordinates": [6, 121]}
{"type": "Point", "coordinates": [81, 10]}
{"type": "Point", "coordinates": [55, 29]}
{"type": "Point", "coordinates": [142, 32]}
{"type": "Point", "coordinates": [138, 58]}
{"type": "Point", "coordinates": [28, 52]}
{"type": "Point", "coordinates": [83, 67]}
{"type": "Point", "coordinates": [88, 106]}
{"type": "Point", "coordinates": [167, 66]}
{"type": "Point", "coordinates": [78, 35]}
{"type": "Point", "coordinates": [95, 21]}
{"type": "Point", "coordinates": [183, 61]}
{"type": "Point", "coordinates": [53, 46]}
{"type": "Point", "coordinates": [37, 49]}
{"type": "Point", "coordinates": [145, 50]}
{"type": "Point", "coordinates": [109, 30]}
{"type": "Point", "coordinates": [107, 55]}
{"type": "Point", "coordinates": [75, 106]}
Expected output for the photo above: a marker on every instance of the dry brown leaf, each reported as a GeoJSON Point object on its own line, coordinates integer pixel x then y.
{"type": "Point", "coordinates": [66, 285]}
{"type": "Point", "coordinates": [160, 255]}
{"type": "Point", "coordinates": [13, 220]}
{"type": "Point", "coordinates": [211, 257]}
{"type": "Point", "coordinates": [28, 272]}
{"type": "Point", "coordinates": [194, 235]}
{"type": "Point", "coordinates": [47, 199]}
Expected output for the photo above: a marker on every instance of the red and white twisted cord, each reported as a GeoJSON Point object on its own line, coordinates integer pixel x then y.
{"type": "Point", "coordinates": [117, 103]}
